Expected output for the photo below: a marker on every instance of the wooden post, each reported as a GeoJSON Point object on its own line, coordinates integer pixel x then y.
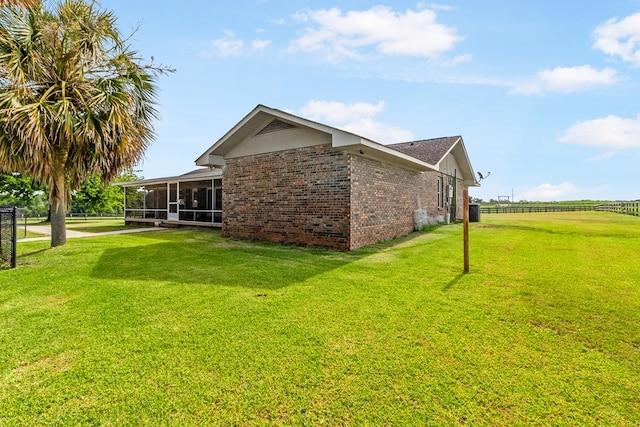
{"type": "Point", "coordinates": [465, 221]}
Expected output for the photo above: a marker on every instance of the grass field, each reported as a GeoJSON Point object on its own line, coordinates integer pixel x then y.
{"type": "Point", "coordinates": [183, 327]}
{"type": "Point", "coordinates": [88, 225]}
{"type": "Point", "coordinates": [93, 225]}
{"type": "Point", "coordinates": [22, 233]}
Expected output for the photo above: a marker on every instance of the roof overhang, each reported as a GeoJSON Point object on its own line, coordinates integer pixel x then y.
{"type": "Point", "coordinates": [261, 116]}
{"type": "Point", "coordinates": [188, 177]}
{"type": "Point", "coordinates": [373, 150]}
{"type": "Point", "coordinates": [459, 152]}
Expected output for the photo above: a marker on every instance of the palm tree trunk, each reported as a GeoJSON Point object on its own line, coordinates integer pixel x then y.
{"type": "Point", "coordinates": [58, 201]}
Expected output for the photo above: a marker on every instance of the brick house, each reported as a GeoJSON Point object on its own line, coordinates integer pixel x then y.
{"type": "Point", "coordinates": [282, 178]}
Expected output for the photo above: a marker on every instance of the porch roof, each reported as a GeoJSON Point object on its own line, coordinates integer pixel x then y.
{"type": "Point", "coordinates": [194, 175]}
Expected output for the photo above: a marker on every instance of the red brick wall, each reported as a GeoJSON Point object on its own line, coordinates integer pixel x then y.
{"type": "Point", "coordinates": [298, 196]}
{"type": "Point", "coordinates": [383, 199]}
{"type": "Point", "coordinates": [319, 196]}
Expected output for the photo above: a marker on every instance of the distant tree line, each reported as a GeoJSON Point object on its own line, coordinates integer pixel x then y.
{"type": "Point", "coordinates": [92, 198]}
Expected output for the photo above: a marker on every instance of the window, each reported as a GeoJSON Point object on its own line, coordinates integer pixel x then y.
{"type": "Point", "coordinates": [439, 190]}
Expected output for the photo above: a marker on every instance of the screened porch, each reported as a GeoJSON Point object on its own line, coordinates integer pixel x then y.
{"type": "Point", "coordinates": [194, 198]}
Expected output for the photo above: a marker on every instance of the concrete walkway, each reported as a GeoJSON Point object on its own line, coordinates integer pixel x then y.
{"type": "Point", "coordinates": [72, 234]}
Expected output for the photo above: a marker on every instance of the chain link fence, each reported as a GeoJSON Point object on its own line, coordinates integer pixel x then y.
{"type": "Point", "coordinates": [8, 237]}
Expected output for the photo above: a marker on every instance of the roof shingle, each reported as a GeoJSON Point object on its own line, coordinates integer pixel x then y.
{"type": "Point", "coordinates": [431, 151]}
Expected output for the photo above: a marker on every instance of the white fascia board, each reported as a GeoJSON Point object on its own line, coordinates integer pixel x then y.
{"type": "Point", "coordinates": [181, 178]}
{"type": "Point", "coordinates": [367, 148]}
{"type": "Point", "coordinates": [453, 146]}
{"type": "Point", "coordinates": [204, 157]}
{"type": "Point", "coordinates": [462, 151]}
{"type": "Point", "coordinates": [231, 137]}
{"type": "Point", "coordinates": [214, 160]}
{"type": "Point", "coordinates": [200, 161]}
{"type": "Point", "coordinates": [344, 139]}
{"type": "Point", "coordinates": [340, 139]}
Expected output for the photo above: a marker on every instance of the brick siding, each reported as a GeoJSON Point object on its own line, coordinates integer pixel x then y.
{"type": "Point", "coordinates": [298, 196]}
{"type": "Point", "coordinates": [320, 196]}
{"type": "Point", "coordinates": [383, 199]}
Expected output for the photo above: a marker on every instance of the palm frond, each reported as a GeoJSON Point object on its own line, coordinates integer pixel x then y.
{"type": "Point", "coordinates": [75, 99]}
{"type": "Point", "coordinates": [20, 3]}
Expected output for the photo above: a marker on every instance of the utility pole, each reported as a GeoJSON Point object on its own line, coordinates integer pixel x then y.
{"type": "Point", "coordinates": [465, 222]}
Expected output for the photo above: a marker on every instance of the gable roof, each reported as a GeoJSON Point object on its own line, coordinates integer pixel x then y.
{"type": "Point", "coordinates": [435, 150]}
{"type": "Point", "coordinates": [421, 156]}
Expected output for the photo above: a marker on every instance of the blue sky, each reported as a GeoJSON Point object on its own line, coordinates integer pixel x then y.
{"type": "Point", "coordinates": [544, 93]}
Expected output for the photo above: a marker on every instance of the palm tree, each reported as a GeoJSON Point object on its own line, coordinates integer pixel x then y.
{"type": "Point", "coordinates": [75, 100]}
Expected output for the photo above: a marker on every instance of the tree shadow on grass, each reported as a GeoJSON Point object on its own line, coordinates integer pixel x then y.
{"type": "Point", "coordinates": [32, 253]}
{"type": "Point", "coordinates": [453, 281]}
{"type": "Point", "coordinates": [227, 262]}
{"type": "Point", "coordinates": [520, 228]}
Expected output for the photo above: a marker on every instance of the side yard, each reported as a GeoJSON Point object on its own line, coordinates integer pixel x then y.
{"type": "Point", "coordinates": [184, 327]}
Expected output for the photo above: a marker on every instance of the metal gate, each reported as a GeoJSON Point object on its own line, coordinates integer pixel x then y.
{"type": "Point", "coordinates": [8, 237]}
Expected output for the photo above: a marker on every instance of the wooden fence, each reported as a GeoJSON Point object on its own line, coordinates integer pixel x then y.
{"type": "Point", "coordinates": [536, 208]}
{"type": "Point", "coordinates": [627, 208]}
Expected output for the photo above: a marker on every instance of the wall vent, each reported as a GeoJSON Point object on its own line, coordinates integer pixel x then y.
{"type": "Point", "coordinates": [275, 126]}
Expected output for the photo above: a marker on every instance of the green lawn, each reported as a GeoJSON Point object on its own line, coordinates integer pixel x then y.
{"type": "Point", "coordinates": [87, 225]}
{"type": "Point", "coordinates": [96, 225]}
{"type": "Point", "coordinates": [183, 327]}
{"type": "Point", "coordinates": [22, 233]}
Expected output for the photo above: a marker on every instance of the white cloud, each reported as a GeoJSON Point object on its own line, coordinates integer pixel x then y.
{"type": "Point", "coordinates": [435, 6]}
{"type": "Point", "coordinates": [338, 112]}
{"type": "Point", "coordinates": [567, 80]}
{"type": "Point", "coordinates": [460, 59]}
{"type": "Point", "coordinates": [228, 45]}
{"type": "Point", "coordinates": [611, 131]}
{"type": "Point", "coordinates": [356, 118]}
{"type": "Point", "coordinates": [260, 44]}
{"type": "Point", "coordinates": [379, 132]}
{"type": "Point", "coordinates": [601, 157]}
{"type": "Point", "coordinates": [620, 38]}
{"type": "Point", "coordinates": [563, 191]}
{"type": "Point", "coordinates": [338, 35]}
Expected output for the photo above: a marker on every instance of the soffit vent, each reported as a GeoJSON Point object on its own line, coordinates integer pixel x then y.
{"type": "Point", "coordinates": [275, 126]}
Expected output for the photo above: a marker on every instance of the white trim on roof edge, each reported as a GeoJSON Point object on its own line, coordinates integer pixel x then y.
{"type": "Point", "coordinates": [190, 176]}
{"type": "Point", "coordinates": [355, 144]}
